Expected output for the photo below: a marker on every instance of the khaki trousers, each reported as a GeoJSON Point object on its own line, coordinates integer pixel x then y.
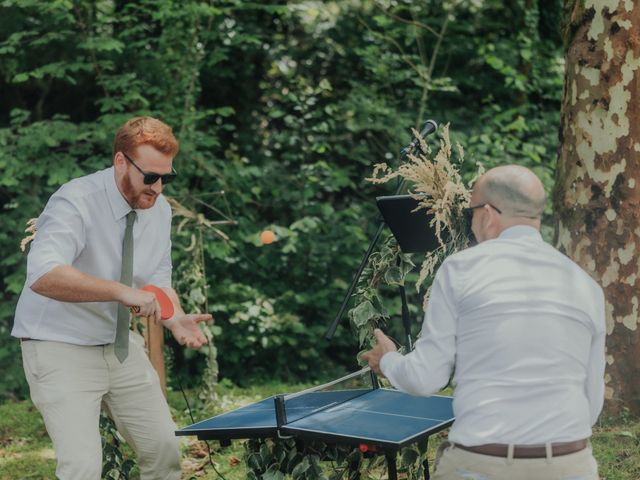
{"type": "Point", "coordinates": [456, 464]}
{"type": "Point", "coordinates": [69, 384]}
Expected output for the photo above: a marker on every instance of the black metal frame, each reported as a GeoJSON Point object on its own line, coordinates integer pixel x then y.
{"type": "Point", "coordinates": [388, 449]}
{"type": "Point", "coordinates": [428, 127]}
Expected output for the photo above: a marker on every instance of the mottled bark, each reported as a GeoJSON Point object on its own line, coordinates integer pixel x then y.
{"type": "Point", "coordinates": [597, 194]}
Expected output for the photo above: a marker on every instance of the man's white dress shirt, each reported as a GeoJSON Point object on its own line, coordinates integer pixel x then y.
{"type": "Point", "coordinates": [83, 226]}
{"type": "Point", "coordinates": [524, 327]}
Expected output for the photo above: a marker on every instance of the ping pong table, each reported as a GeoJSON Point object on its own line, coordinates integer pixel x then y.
{"type": "Point", "coordinates": [383, 420]}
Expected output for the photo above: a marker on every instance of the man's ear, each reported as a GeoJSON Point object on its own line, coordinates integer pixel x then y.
{"type": "Point", "coordinates": [120, 166]}
{"type": "Point", "coordinates": [119, 160]}
{"type": "Point", "coordinates": [488, 217]}
{"type": "Point", "coordinates": [120, 163]}
{"type": "Point", "coordinates": [492, 222]}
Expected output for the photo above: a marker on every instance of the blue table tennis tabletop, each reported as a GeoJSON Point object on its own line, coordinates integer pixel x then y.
{"type": "Point", "coordinates": [382, 417]}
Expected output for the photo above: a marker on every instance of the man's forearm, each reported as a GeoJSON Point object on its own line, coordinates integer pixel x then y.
{"type": "Point", "coordinates": [68, 284]}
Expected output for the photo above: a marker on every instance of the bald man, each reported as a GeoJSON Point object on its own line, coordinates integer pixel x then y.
{"type": "Point", "coordinates": [524, 328]}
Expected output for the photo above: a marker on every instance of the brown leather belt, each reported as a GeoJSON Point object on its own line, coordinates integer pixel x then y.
{"type": "Point", "coordinates": [527, 451]}
{"type": "Point", "coordinates": [27, 339]}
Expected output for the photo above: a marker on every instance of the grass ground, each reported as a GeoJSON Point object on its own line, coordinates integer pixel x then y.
{"type": "Point", "coordinates": [26, 453]}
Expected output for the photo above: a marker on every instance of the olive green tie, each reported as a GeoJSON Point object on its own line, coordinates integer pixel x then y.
{"type": "Point", "coordinates": [121, 345]}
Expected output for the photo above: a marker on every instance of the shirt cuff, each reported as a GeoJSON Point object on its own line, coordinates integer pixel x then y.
{"type": "Point", "coordinates": [388, 361]}
{"type": "Point", "coordinates": [35, 275]}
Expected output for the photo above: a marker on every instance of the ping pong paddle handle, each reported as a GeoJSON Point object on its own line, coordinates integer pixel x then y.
{"type": "Point", "coordinates": [166, 305]}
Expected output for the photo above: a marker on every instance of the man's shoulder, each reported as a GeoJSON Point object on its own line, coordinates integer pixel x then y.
{"type": "Point", "coordinates": [159, 214]}
{"type": "Point", "coordinates": [577, 270]}
{"type": "Point", "coordinates": [469, 254]}
{"type": "Point", "coordinates": [163, 203]}
{"type": "Point", "coordinates": [459, 263]}
{"type": "Point", "coordinates": [80, 187]}
{"type": "Point", "coordinates": [497, 248]}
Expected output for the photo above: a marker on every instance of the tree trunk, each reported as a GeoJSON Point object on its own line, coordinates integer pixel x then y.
{"type": "Point", "coordinates": [597, 191]}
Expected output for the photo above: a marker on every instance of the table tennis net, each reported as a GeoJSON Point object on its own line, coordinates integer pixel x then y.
{"type": "Point", "coordinates": [295, 406]}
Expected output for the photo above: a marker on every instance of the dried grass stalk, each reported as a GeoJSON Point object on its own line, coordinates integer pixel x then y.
{"type": "Point", "coordinates": [179, 210]}
{"type": "Point", "coordinates": [440, 191]}
{"type": "Point", "coordinates": [31, 233]}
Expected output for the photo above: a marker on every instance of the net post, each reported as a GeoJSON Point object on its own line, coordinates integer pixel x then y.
{"type": "Point", "coordinates": [374, 380]}
{"type": "Point", "coordinates": [281, 414]}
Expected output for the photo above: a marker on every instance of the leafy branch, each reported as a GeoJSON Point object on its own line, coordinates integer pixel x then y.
{"type": "Point", "coordinates": [441, 193]}
{"type": "Point", "coordinates": [191, 278]}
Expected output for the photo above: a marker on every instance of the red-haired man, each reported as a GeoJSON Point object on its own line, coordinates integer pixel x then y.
{"type": "Point", "coordinates": [101, 238]}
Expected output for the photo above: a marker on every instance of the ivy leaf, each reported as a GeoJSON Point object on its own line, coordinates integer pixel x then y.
{"type": "Point", "coordinates": [273, 474]}
{"type": "Point", "coordinates": [20, 77]}
{"type": "Point", "coordinates": [265, 454]}
{"type": "Point", "coordinates": [409, 457]}
{"type": "Point", "coordinates": [363, 313]}
{"type": "Point", "coordinates": [302, 467]}
{"type": "Point", "coordinates": [363, 335]}
{"type": "Point", "coordinates": [253, 461]}
{"type": "Point", "coordinates": [394, 276]}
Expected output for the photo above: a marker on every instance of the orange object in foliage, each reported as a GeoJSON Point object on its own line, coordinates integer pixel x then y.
{"type": "Point", "coordinates": [267, 237]}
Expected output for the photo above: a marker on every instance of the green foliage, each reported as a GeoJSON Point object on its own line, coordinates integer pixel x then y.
{"type": "Point", "coordinates": [116, 465]}
{"type": "Point", "coordinates": [271, 460]}
{"type": "Point", "coordinates": [25, 449]}
{"type": "Point", "coordinates": [279, 459]}
{"type": "Point", "coordinates": [388, 266]}
{"type": "Point", "coordinates": [283, 108]}
{"type": "Point", "coordinates": [281, 111]}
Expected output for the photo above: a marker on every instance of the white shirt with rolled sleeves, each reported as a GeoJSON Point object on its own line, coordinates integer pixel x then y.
{"type": "Point", "coordinates": [524, 327]}
{"type": "Point", "coordinates": [83, 226]}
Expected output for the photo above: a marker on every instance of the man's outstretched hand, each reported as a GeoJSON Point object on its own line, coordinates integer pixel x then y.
{"type": "Point", "coordinates": [373, 356]}
{"type": "Point", "coordinates": [186, 331]}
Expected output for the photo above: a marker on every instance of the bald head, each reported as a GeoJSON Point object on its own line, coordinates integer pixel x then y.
{"type": "Point", "coordinates": [515, 190]}
{"type": "Point", "coordinates": [504, 197]}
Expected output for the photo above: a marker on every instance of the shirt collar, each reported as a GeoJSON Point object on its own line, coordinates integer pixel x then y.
{"type": "Point", "coordinates": [119, 206]}
{"type": "Point", "coordinates": [520, 231]}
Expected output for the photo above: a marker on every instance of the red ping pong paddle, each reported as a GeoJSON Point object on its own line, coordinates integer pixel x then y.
{"type": "Point", "coordinates": [166, 305]}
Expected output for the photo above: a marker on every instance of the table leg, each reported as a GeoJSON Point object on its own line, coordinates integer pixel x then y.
{"type": "Point", "coordinates": [391, 466]}
{"type": "Point", "coordinates": [425, 464]}
{"type": "Point", "coordinates": [354, 471]}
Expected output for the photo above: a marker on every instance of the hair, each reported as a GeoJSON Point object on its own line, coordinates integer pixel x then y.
{"type": "Point", "coordinates": [145, 131]}
{"type": "Point", "coordinates": [510, 191]}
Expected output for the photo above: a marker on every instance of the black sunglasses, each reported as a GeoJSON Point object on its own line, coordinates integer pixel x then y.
{"type": "Point", "coordinates": [468, 211]}
{"type": "Point", "coordinates": [151, 177]}
{"type": "Point", "coordinates": [468, 218]}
